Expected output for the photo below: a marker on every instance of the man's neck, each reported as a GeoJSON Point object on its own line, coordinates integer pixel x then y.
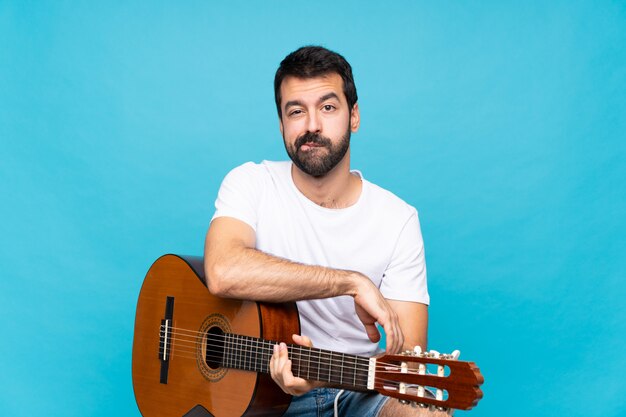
{"type": "Point", "coordinates": [337, 189]}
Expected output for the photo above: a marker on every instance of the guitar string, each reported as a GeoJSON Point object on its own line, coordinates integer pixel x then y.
{"type": "Point", "coordinates": [249, 341]}
{"type": "Point", "coordinates": [265, 352]}
{"type": "Point", "coordinates": [311, 352]}
{"type": "Point", "coordinates": [270, 344]}
{"type": "Point", "coordinates": [323, 373]}
{"type": "Point", "coordinates": [297, 352]}
{"type": "Point", "coordinates": [330, 377]}
{"type": "Point", "coordinates": [266, 344]}
{"type": "Point", "coordinates": [191, 347]}
{"type": "Point", "coordinates": [181, 331]}
{"type": "Point", "coordinates": [253, 343]}
{"type": "Point", "coordinates": [256, 340]}
{"type": "Point", "coordinates": [304, 353]}
{"type": "Point", "coordinates": [387, 384]}
{"type": "Point", "coordinates": [264, 366]}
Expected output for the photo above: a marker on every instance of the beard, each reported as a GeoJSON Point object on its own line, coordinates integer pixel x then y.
{"type": "Point", "coordinates": [320, 160]}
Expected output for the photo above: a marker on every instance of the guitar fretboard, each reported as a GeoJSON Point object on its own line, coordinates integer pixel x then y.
{"type": "Point", "coordinates": [339, 369]}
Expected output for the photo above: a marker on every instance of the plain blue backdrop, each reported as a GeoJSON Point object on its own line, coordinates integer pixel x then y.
{"type": "Point", "coordinates": [502, 122]}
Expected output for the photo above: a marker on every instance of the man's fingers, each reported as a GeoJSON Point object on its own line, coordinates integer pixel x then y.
{"type": "Point", "coordinates": [382, 313]}
{"type": "Point", "coordinates": [372, 332]}
{"type": "Point", "coordinates": [393, 335]}
{"type": "Point", "coordinates": [302, 340]}
{"type": "Point", "coordinates": [287, 375]}
{"type": "Point", "coordinates": [280, 369]}
{"type": "Point", "coordinates": [396, 340]}
{"type": "Point", "coordinates": [278, 360]}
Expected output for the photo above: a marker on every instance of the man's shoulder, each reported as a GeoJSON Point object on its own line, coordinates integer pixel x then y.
{"type": "Point", "coordinates": [258, 171]}
{"type": "Point", "coordinates": [388, 201]}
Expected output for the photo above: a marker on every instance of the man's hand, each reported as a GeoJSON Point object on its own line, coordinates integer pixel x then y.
{"type": "Point", "coordinates": [280, 369]}
{"type": "Point", "coordinates": [371, 307]}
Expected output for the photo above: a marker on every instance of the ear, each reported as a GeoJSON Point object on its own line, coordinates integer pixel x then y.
{"type": "Point", "coordinates": [280, 125]}
{"type": "Point", "coordinates": [355, 118]}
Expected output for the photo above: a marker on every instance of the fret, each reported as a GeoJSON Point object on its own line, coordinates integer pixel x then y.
{"type": "Point", "coordinates": [319, 362]}
{"type": "Point", "coordinates": [335, 368]}
{"type": "Point", "coordinates": [295, 357]}
{"type": "Point", "coordinates": [325, 364]}
{"type": "Point", "coordinates": [236, 352]}
{"type": "Point", "coordinates": [254, 354]}
{"type": "Point", "coordinates": [258, 355]}
{"type": "Point", "coordinates": [226, 351]}
{"type": "Point", "coordinates": [240, 351]}
{"type": "Point", "coordinates": [242, 356]}
{"type": "Point", "coordinates": [231, 361]}
{"type": "Point", "coordinates": [248, 345]}
{"type": "Point", "coordinates": [361, 374]}
{"type": "Point", "coordinates": [301, 361]}
{"type": "Point", "coordinates": [250, 353]}
{"type": "Point", "coordinates": [342, 369]}
{"type": "Point", "coordinates": [248, 350]}
{"type": "Point", "coordinates": [268, 349]}
{"type": "Point", "coordinates": [308, 364]}
{"type": "Point", "coordinates": [248, 356]}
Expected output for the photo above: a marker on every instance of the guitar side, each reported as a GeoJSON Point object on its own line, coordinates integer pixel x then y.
{"type": "Point", "coordinates": [183, 383]}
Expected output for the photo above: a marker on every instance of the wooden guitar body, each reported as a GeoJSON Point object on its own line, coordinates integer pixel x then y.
{"type": "Point", "coordinates": [197, 355]}
{"type": "Point", "coordinates": [171, 376]}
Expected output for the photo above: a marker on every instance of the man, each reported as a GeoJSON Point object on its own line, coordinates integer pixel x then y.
{"type": "Point", "coordinates": [313, 231]}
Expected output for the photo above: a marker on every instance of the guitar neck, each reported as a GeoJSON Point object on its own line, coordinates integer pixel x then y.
{"type": "Point", "coordinates": [337, 369]}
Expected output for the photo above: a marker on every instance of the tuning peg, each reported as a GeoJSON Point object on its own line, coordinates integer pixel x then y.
{"type": "Point", "coordinates": [451, 356]}
{"type": "Point", "coordinates": [417, 350]}
{"type": "Point", "coordinates": [434, 354]}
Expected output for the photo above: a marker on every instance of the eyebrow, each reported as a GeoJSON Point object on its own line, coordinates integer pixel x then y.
{"type": "Point", "coordinates": [327, 96]}
{"type": "Point", "coordinates": [322, 99]}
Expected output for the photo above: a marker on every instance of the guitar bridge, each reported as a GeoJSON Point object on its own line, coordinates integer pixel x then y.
{"type": "Point", "coordinates": [165, 339]}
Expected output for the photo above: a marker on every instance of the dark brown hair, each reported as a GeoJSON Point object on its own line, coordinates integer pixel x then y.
{"type": "Point", "coordinates": [311, 62]}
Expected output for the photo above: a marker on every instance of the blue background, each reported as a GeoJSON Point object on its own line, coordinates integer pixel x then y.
{"type": "Point", "coordinates": [502, 122]}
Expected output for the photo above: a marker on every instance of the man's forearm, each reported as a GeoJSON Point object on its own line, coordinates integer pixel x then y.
{"type": "Point", "coordinates": [248, 273]}
{"type": "Point", "coordinates": [235, 269]}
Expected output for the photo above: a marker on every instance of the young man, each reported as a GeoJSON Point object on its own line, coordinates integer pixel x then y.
{"type": "Point", "coordinates": [313, 231]}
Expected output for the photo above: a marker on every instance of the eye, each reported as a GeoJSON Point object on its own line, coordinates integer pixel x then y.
{"type": "Point", "coordinates": [296, 112]}
{"type": "Point", "coordinates": [328, 107]}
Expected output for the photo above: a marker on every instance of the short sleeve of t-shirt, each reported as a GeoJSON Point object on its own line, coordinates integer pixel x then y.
{"type": "Point", "coordinates": [405, 277]}
{"type": "Point", "coordinates": [240, 193]}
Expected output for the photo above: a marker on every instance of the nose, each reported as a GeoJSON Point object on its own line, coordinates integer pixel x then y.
{"type": "Point", "coordinates": [313, 123]}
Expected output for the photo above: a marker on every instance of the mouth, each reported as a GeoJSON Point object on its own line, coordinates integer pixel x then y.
{"type": "Point", "coordinates": [310, 145]}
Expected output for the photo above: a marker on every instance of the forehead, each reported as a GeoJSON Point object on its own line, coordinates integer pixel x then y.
{"type": "Point", "coordinates": [311, 89]}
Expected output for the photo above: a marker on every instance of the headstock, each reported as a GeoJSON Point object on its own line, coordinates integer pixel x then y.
{"type": "Point", "coordinates": [429, 378]}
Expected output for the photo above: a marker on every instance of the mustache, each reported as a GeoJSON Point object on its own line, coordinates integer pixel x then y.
{"type": "Point", "coordinates": [310, 137]}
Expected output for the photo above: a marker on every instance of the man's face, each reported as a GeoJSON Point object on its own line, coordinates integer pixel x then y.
{"type": "Point", "coordinates": [316, 122]}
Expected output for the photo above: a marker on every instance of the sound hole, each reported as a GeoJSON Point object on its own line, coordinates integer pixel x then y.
{"type": "Point", "coordinates": [214, 347]}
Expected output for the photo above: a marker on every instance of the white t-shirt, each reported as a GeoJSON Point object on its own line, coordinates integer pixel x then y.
{"type": "Point", "coordinates": [378, 236]}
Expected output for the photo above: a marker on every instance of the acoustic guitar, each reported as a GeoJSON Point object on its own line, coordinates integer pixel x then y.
{"type": "Point", "coordinates": [197, 355]}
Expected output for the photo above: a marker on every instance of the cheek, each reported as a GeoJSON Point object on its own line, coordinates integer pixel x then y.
{"type": "Point", "coordinates": [291, 131]}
